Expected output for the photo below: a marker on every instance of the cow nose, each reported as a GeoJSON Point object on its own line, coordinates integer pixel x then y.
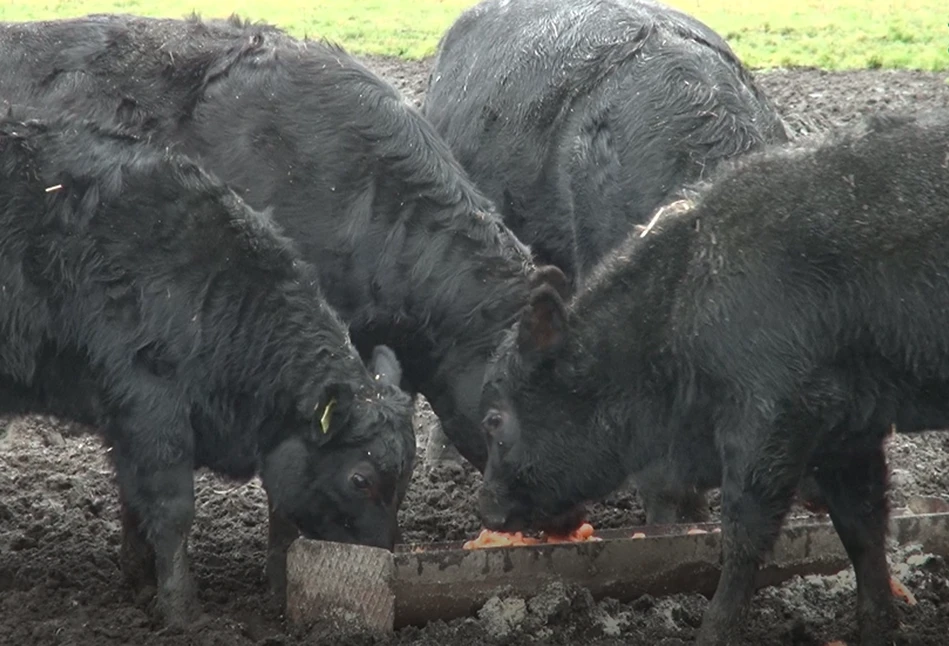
{"type": "Point", "coordinates": [494, 514]}
{"type": "Point", "coordinates": [495, 519]}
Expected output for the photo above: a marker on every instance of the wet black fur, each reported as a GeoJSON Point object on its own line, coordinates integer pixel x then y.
{"type": "Point", "coordinates": [782, 324]}
{"type": "Point", "coordinates": [408, 251]}
{"type": "Point", "coordinates": [141, 295]}
{"type": "Point", "coordinates": [580, 118]}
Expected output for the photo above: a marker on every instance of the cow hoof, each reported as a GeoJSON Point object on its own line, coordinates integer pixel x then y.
{"type": "Point", "coordinates": [716, 632]}
{"type": "Point", "coordinates": [177, 618]}
{"type": "Point", "coordinates": [178, 605]}
{"type": "Point", "coordinates": [144, 596]}
{"type": "Point", "coordinates": [137, 564]}
{"type": "Point", "coordinates": [196, 624]}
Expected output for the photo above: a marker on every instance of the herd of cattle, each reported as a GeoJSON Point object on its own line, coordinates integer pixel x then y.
{"type": "Point", "coordinates": [594, 251]}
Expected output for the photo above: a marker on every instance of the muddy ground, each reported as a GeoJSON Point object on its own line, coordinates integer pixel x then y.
{"type": "Point", "coordinates": [59, 529]}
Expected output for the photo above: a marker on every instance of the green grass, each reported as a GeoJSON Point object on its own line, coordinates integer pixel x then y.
{"type": "Point", "coordinates": [832, 34]}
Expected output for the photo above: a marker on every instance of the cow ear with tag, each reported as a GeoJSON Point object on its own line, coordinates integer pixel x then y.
{"type": "Point", "coordinates": [332, 413]}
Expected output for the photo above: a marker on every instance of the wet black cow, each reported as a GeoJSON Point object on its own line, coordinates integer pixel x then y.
{"type": "Point", "coordinates": [141, 295]}
{"type": "Point", "coordinates": [580, 118]}
{"type": "Point", "coordinates": [797, 306]}
{"type": "Point", "coordinates": [408, 251]}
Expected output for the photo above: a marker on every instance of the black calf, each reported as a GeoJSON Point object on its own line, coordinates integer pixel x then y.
{"type": "Point", "coordinates": [139, 294]}
{"type": "Point", "coordinates": [782, 323]}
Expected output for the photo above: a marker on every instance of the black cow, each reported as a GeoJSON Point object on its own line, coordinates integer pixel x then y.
{"type": "Point", "coordinates": [580, 118]}
{"type": "Point", "coordinates": [797, 305]}
{"type": "Point", "coordinates": [408, 251]}
{"type": "Point", "coordinates": [140, 294]}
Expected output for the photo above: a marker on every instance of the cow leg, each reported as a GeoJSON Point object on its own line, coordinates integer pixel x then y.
{"type": "Point", "coordinates": [761, 469]}
{"type": "Point", "coordinates": [854, 489]}
{"type": "Point", "coordinates": [666, 506]}
{"type": "Point", "coordinates": [693, 507]}
{"type": "Point", "coordinates": [136, 555]}
{"type": "Point", "coordinates": [281, 533]}
{"type": "Point", "coordinates": [152, 453]}
{"type": "Point", "coordinates": [164, 499]}
{"type": "Point", "coordinates": [667, 501]}
{"type": "Point", "coordinates": [810, 495]}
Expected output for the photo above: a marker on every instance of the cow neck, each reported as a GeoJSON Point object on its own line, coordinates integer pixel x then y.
{"type": "Point", "coordinates": [465, 279]}
{"type": "Point", "coordinates": [630, 331]}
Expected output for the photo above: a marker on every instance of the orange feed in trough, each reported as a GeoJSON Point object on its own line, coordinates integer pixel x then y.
{"type": "Point", "coordinates": [488, 538]}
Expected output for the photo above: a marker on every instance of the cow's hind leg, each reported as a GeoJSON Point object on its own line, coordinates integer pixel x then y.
{"type": "Point", "coordinates": [853, 485]}
{"type": "Point", "coordinates": [152, 452]}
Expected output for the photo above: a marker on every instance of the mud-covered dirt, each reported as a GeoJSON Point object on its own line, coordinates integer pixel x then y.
{"type": "Point", "coordinates": [59, 529]}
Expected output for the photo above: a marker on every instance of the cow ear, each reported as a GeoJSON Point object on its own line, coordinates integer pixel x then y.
{"type": "Point", "coordinates": [385, 367]}
{"type": "Point", "coordinates": [332, 413]}
{"type": "Point", "coordinates": [543, 323]}
{"type": "Point", "coordinates": [553, 276]}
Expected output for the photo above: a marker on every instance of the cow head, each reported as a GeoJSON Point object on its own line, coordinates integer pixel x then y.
{"type": "Point", "coordinates": [534, 422]}
{"type": "Point", "coordinates": [344, 476]}
{"type": "Point", "coordinates": [455, 394]}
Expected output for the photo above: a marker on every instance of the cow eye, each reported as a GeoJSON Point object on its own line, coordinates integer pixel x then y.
{"type": "Point", "coordinates": [360, 481]}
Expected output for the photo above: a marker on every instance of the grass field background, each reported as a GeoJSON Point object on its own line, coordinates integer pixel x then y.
{"type": "Point", "coordinates": [832, 34]}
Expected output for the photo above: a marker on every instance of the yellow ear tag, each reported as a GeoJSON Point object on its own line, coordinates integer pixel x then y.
{"type": "Point", "coordinates": [327, 413]}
